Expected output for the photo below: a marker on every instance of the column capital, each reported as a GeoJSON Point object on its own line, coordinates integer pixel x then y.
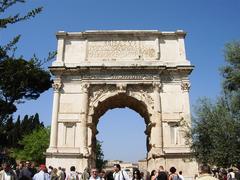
{"type": "Point", "coordinates": [157, 86]}
{"type": "Point", "coordinates": [84, 87]}
{"type": "Point", "coordinates": [57, 84]}
{"type": "Point", "coordinates": [185, 86]}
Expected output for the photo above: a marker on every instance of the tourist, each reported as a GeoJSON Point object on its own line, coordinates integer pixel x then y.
{"type": "Point", "coordinates": [162, 175]}
{"type": "Point", "coordinates": [7, 173]}
{"type": "Point", "coordinates": [237, 173]}
{"type": "Point", "coordinates": [205, 173]}
{"type": "Point", "coordinates": [85, 175]}
{"type": "Point", "coordinates": [26, 172]}
{"type": "Point", "coordinates": [173, 175]}
{"type": "Point", "coordinates": [102, 175]}
{"type": "Point", "coordinates": [119, 174]}
{"type": "Point", "coordinates": [54, 175]}
{"type": "Point", "coordinates": [50, 168]}
{"type": "Point", "coordinates": [42, 174]}
{"type": "Point", "coordinates": [223, 174]}
{"type": "Point", "coordinates": [142, 175]}
{"type": "Point", "coordinates": [94, 174]}
{"type": "Point", "coordinates": [19, 168]}
{"type": "Point", "coordinates": [109, 175]}
{"type": "Point", "coordinates": [153, 175]}
{"type": "Point", "coordinates": [60, 174]}
{"type": "Point", "coordinates": [180, 175]}
{"type": "Point", "coordinates": [136, 175]}
{"type": "Point", "coordinates": [64, 172]}
{"type": "Point", "coordinates": [33, 169]}
{"type": "Point", "coordinates": [73, 174]}
{"type": "Point", "coordinates": [231, 174]}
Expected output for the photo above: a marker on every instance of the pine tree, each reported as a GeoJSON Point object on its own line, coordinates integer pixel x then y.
{"type": "Point", "coordinates": [20, 79]}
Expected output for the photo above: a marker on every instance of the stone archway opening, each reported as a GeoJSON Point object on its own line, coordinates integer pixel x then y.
{"type": "Point", "coordinates": [121, 101]}
{"type": "Point", "coordinates": [121, 133]}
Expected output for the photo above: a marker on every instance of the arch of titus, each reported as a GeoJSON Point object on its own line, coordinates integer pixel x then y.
{"type": "Point", "coordinates": [95, 71]}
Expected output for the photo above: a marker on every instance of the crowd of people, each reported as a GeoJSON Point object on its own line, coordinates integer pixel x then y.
{"type": "Point", "coordinates": [28, 171]}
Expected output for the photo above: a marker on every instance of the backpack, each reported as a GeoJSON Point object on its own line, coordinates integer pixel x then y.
{"type": "Point", "coordinates": [73, 176]}
{"type": "Point", "coordinates": [176, 177]}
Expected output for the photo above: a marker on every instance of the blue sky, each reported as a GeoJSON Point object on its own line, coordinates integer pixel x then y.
{"type": "Point", "coordinates": [209, 24]}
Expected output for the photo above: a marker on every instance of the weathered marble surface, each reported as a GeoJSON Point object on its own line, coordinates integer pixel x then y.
{"type": "Point", "coordinates": [146, 71]}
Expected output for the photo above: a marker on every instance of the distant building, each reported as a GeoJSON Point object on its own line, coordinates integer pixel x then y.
{"type": "Point", "coordinates": [127, 166]}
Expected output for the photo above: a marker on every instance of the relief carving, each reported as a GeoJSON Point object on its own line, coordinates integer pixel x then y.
{"type": "Point", "coordinates": [99, 91]}
{"type": "Point", "coordinates": [143, 94]}
{"type": "Point", "coordinates": [147, 97]}
{"type": "Point", "coordinates": [185, 86]}
{"type": "Point", "coordinates": [150, 53]}
{"type": "Point", "coordinates": [121, 88]}
{"type": "Point", "coordinates": [157, 86]}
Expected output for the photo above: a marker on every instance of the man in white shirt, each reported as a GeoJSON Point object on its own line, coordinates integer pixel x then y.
{"type": "Point", "coordinates": [94, 174]}
{"type": "Point", "coordinates": [73, 175]}
{"type": "Point", "coordinates": [7, 173]}
{"type": "Point", "coordinates": [180, 175]}
{"type": "Point", "coordinates": [119, 174]}
{"type": "Point", "coordinates": [231, 174]}
{"type": "Point", "coordinates": [60, 174]}
{"type": "Point", "coordinates": [42, 174]}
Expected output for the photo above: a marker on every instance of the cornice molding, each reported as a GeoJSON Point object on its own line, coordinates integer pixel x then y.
{"type": "Point", "coordinates": [55, 70]}
{"type": "Point", "coordinates": [117, 33]}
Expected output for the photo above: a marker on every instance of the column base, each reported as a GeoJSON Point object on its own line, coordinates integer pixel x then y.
{"type": "Point", "coordinates": [85, 152]}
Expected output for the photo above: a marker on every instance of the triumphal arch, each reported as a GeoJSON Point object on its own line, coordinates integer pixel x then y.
{"type": "Point", "coordinates": [95, 71]}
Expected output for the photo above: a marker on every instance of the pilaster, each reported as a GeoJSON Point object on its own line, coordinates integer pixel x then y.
{"type": "Point", "coordinates": [156, 132]}
{"type": "Point", "coordinates": [83, 125]}
{"type": "Point", "coordinates": [54, 125]}
{"type": "Point", "coordinates": [185, 86]}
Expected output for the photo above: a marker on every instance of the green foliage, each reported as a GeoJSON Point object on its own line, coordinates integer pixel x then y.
{"type": "Point", "coordinates": [20, 79]}
{"type": "Point", "coordinates": [231, 72]}
{"type": "Point", "coordinates": [34, 145]}
{"type": "Point", "coordinates": [99, 156]}
{"type": "Point", "coordinates": [231, 75]}
{"type": "Point", "coordinates": [5, 4]}
{"type": "Point", "coordinates": [215, 133]}
{"type": "Point", "coordinates": [12, 132]}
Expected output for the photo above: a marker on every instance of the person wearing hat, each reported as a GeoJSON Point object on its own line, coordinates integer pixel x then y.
{"type": "Point", "coordinates": [42, 174]}
{"type": "Point", "coordinates": [7, 172]}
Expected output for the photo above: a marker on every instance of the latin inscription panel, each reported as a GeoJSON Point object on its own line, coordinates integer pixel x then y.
{"type": "Point", "coordinates": [122, 49]}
